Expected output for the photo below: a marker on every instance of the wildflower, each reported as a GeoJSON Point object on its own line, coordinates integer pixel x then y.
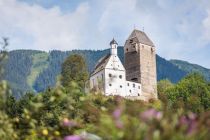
{"type": "Point", "coordinates": [117, 113]}
{"type": "Point", "coordinates": [67, 122]}
{"type": "Point", "coordinates": [119, 124]}
{"type": "Point", "coordinates": [151, 114]}
{"type": "Point", "coordinates": [45, 132]}
{"type": "Point", "coordinates": [72, 137]}
{"type": "Point", "coordinates": [190, 122]}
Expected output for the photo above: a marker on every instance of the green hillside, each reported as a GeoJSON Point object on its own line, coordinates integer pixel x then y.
{"type": "Point", "coordinates": [189, 68]}
{"type": "Point", "coordinates": [31, 70]}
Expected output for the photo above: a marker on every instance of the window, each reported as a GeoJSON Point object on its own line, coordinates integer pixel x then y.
{"type": "Point", "coordinates": [110, 85]}
{"type": "Point", "coordinates": [133, 85]}
{"type": "Point", "coordinates": [134, 46]}
{"type": "Point", "coordinates": [131, 41]}
{"type": "Point", "coordinates": [102, 76]}
{"type": "Point", "coordinates": [139, 87]}
{"type": "Point", "coordinates": [110, 75]}
{"type": "Point", "coordinates": [128, 84]}
{"type": "Point", "coordinates": [138, 94]}
{"type": "Point", "coordinates": [127, 49]}
{"type": "Point", "coordinates": [120, 76]}
{"type": "Point", "coordinates": [120, 86]}
{"type": "Point", "coordinates": [134, 79]}
{"type": "Point", "coordinates": [130, 91]}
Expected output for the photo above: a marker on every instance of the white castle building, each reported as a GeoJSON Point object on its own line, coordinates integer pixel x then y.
{"type": "Point", "coordinates": [109, 75]}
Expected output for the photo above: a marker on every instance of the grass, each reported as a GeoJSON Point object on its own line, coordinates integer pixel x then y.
{"type": "Point", "coordinates": [39, 64]}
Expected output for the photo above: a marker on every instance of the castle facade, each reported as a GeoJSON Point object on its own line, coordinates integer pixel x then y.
{"type": "Point", "coordinates": [137, 79]}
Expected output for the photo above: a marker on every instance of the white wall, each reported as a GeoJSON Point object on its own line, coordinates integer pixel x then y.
{"type": "Point", "coordinates": [97, 80]}
{"type": "Point", "coordinates": [133, 89]}
{"type": "Point", "coordinates": [115, 82]}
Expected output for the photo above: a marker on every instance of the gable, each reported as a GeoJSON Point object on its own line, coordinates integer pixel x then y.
{"type": "Point", "coordinates": [114, 62]}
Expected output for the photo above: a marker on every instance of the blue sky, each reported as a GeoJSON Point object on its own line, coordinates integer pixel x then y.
{"type": "Point", "coordinates": [180, 29]}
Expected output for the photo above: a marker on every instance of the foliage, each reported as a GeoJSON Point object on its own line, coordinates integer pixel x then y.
{"type": "Point", "coordinates": [31, 70]}
{"type": "Point", "coordinates": [74, 69]}
{"type": "Point", "coordinates": [61, 114]}
{"type": "Point", "coordinates": [191, 93]}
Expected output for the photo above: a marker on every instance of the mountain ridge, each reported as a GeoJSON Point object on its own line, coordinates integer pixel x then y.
{"type": "Point", "coordinates": [34, 70]}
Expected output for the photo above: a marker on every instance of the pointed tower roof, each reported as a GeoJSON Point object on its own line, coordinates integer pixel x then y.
{"type": "Point", "coordinates": [142, 37]}
{"type": "Point", "coordinates": [113, 42]}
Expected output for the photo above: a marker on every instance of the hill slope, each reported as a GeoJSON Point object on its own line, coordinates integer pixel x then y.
{"type": "Point", "coordinates": [188, 67]}
{"type": "Point", "coordinates": [30, 70]}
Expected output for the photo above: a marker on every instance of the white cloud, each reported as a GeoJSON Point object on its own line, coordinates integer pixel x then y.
{"type": "Point", "coordinates": [180, 29]}
{"type": "Point", "coordinates": [34, 27]}
{"type": "Point", "coordinates": [206, 24]}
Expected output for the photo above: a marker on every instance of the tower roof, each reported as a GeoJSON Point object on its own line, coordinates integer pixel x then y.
{"type": "Point", "coordinates": [142, 37]}
{"type": "Point", "coordinates": [113, 42]}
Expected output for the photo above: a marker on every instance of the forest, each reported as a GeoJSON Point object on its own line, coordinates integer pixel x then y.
{"type": "Point", "coordinates": [65, 112]}
{"type": "Point", "coordinates": [35, 71]}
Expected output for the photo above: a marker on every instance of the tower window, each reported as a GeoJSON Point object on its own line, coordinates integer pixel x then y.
{"type": "Point", "coordinates": [138, 94]}
{"type": "Point", "coordinates": [128, 84]}
{"type": "Point", "coordinates": [120, 86]}
{"type": "Point", "coordinates": [120, 76]}
{"type": "Point", "coordinates": [130, 91]}
{"type": "Point", "coordinates": [127, 49]}
{"type": "Point", "coordinates": [110, 75]}
{"type": "Point", "coordinates": [133, 85]}
{"type": "Point", "coordinates": [131, 41]}
{"type": "Point", "coordinates": [134, 79]}
{"type": "Point", "coordinates": [110, 85]}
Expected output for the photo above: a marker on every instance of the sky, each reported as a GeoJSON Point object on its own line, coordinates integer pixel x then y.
{"type": "Point", "coordinates": [180, 29]}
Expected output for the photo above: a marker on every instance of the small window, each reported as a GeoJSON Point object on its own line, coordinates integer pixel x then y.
{"type": "Point", "coordinates": [128, 84]}
{"type": "Point", "coordinates": [110, 85]}
{"type": "Point", "coordinates": [118, 66]}
{"type": "Point", "coordinates": [134, 46]}
{"type": "Point", "coordinates": [127, 49]}
{"type": "Point", "coordinates": [139, 87]}
{"type": "Point", "coordinates": [131, 41]}
{"type": "Point", "coordinates": [110, 75]}
{"type": "Point", "coordinates": [130, 91]}
{"type": "Point", "coordinates": [133, 85]}
{"type": "Point", "coordinates": [120, 86]}
{"type": "Point", "coordinates": [102, 76]}
{"type": "Point", "coordinates": [138, 94]}
{"type": "Point", "coordinates": [120, 76]}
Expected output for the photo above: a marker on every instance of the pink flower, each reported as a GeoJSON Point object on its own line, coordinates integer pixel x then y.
{"type": "Point", "coordinates": [72, 137]}
{"type": "Point", "coordinates": [68, 123]}
{"type": "Point", "coordinates": [119, 124]}
{"type": "Point", "coordinates": [190, 122]}
{"type": "Point", "coordinates": [117, 113]}
{"type": "Point", "coordinates": [151, 114]}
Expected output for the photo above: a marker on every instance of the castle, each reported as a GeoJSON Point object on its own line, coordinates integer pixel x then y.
{"type": "Point", "coordinates": [137, 79]}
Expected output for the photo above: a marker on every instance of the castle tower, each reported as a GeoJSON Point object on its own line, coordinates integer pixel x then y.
{"type": "Point", "coordinates": [140, 63]}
